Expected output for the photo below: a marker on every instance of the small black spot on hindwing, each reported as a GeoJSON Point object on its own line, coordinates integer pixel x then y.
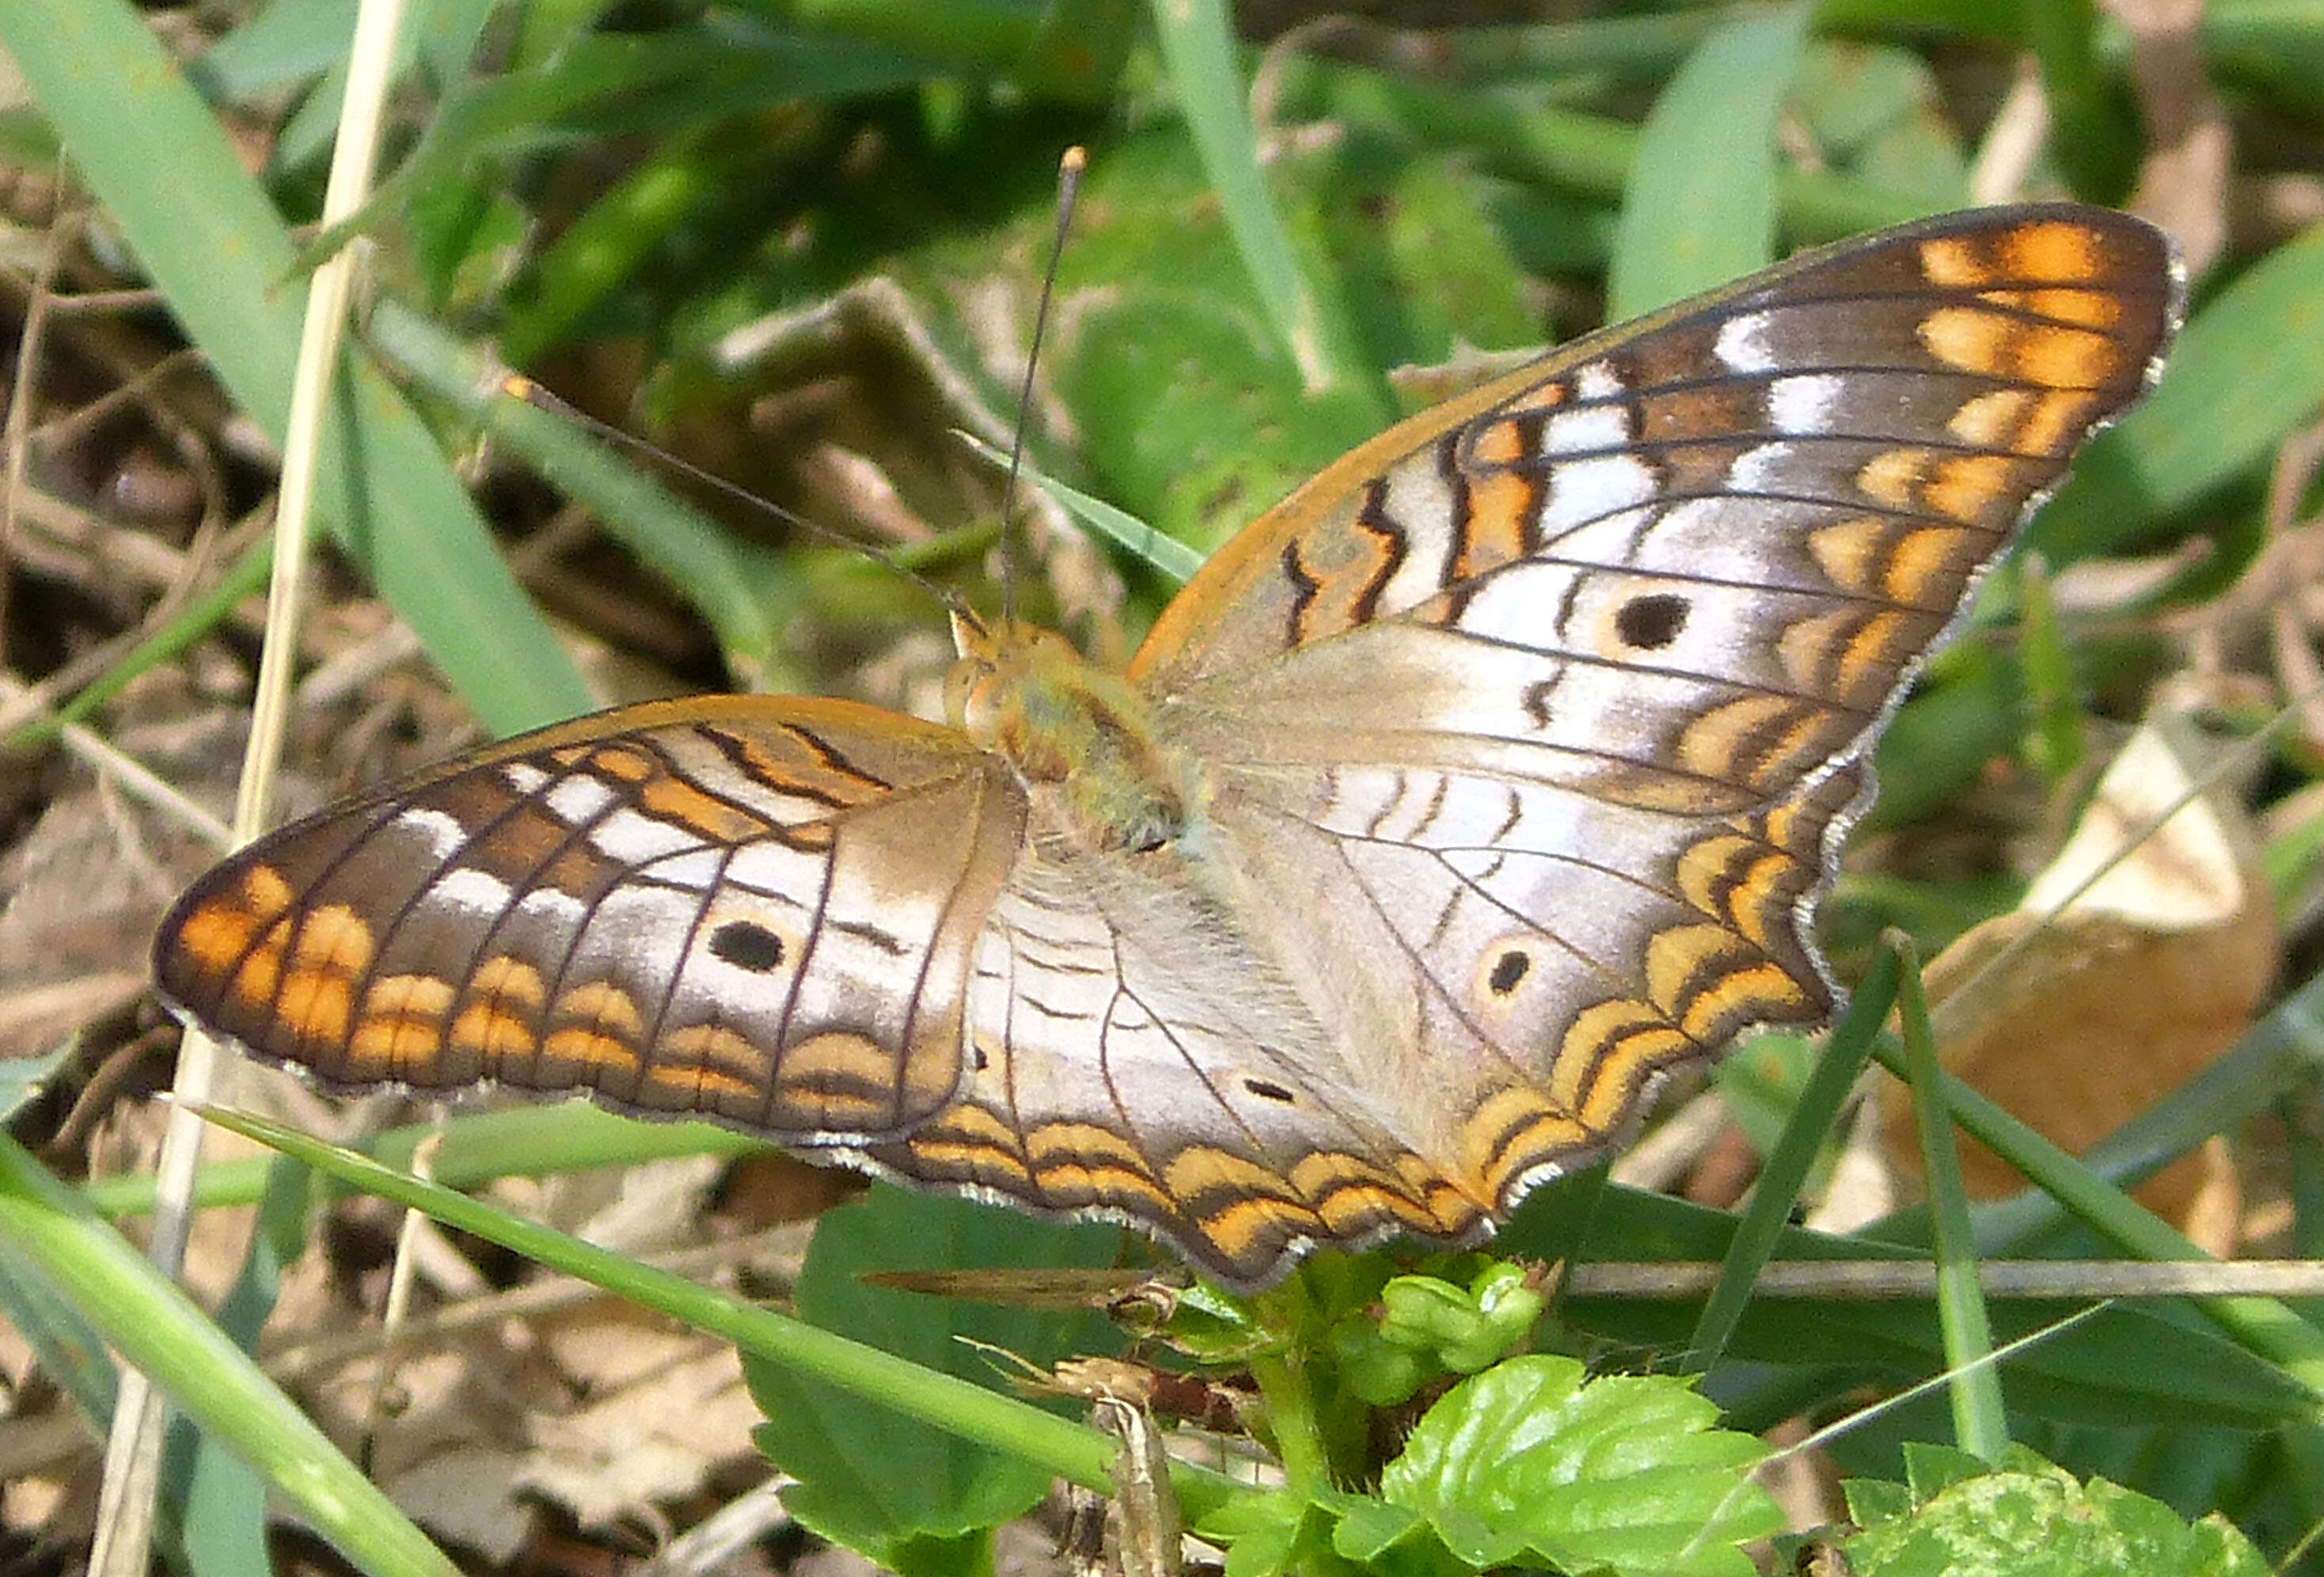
{"type": "Point", "coordinates": [746, 944]}
{"type": "Point", "coordinates": [1651, 623]}
{"type": "Point", "coordinates": [1507, 970]}
{"type": "Point", "coordinates": [1266, 1090]}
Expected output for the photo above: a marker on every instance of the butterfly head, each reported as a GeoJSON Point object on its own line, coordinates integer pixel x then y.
{"type": "Point", "coordinates": [1080, 739]}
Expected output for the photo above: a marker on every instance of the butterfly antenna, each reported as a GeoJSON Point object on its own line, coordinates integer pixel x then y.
{"type": "Point", "coordinates": [1070, 167]}
{"type": "Point", "coordinates": [515, 385]}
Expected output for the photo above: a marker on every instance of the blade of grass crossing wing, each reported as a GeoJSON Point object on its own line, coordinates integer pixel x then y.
{"type": "Point", "coordinates": [1068, 1450]}
{"type": "Point", "coordinates": [1786, 1172]}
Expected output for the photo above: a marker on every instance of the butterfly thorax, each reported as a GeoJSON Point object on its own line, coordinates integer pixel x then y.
{"type": "Point", "coordinates": [1081, 740]}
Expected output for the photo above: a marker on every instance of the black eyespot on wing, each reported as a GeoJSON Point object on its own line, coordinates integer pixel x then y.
{"type": "Point", "coordinates": [1651, 623]}
{"type": "Point", "coordinates": [1266, 1090]}
{"type": "Point", "coordinates": [746, 944]}
{"type": "Point", "coordinates": [1507, 970]}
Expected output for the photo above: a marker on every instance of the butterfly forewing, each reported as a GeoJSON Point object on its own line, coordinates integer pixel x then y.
{"type": "Point", "coordinates": [756, 910]}
{"type": "Point", "coordinates": [1569, 688]}
{"type": "Point", "coordinates": [1487, 779]}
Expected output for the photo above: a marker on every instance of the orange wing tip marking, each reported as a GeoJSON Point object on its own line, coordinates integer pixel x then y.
{"type": "Point", "coordinates": [2077, 308]}
{"type": "Point", "coordinates": [254, 982]}
{"type": "Point", "coordinates": [1966, 486]}
{"type": "Point", "coordinates": [2052, 251]}
{"type": "Point", "coordinates": [2052, 355]}
{"type": "Point", "coordinates": [1953, 261]}
{"type": "Point", "coordinates": [2055, 252]}
{"type": "Point", "coordinates": [216, 935]}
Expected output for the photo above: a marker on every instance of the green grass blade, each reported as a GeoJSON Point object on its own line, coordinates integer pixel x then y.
{"type": "Point", "coordinates": [1163, 554]}
{"type": "Point", "coordinates": [158, 1328]}
{"type": "Point", "coordinates": [1700, 207]}
{"type": "Point", "coordinates": [737, 591]}
{"type": "Point", "coordinates": [2266, 1326]}
{"type": "Point", "coordinates": [221, 255]}
{"type": "Point", "coordinates": [1980, 1422]}
{"type": "Point", "coordinates": [1198, 50]}
{"type": "Point", "coordinates": [1768, 1216]}
{"type": "Point", "coordinates": [1068, 1450]}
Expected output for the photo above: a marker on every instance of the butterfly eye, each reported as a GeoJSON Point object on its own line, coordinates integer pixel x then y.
{"type": "Point", "coordinates": [1649, 624]}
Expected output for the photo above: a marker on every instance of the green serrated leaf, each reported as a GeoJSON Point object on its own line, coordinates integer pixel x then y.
{"type": "Point", "coordinates": [1621, 1474]}
{"type": "Point", "coordinates": [2032, 1519]}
